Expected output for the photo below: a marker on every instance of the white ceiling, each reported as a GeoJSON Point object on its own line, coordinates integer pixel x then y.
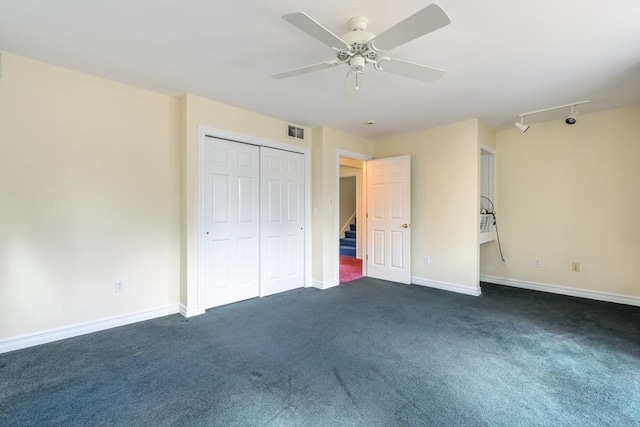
{"type": "Point", "coordinates": [502, 57]}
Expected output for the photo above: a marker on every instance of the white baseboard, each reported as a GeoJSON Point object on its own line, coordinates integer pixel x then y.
{"type": "Point", "coordinates": [446, 286]}
{"type": "Point", "coordinates": [324, 285]}
{"type": "Point", "coordinates": [51, 335]}
{"type": "Point", "coordinates": [190, 311]}
{"type": "Point", "coordinates": [562, 290]}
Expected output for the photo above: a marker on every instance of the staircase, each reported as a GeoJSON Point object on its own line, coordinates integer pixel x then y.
{"type": "Point", "coordinates": [348, 242]}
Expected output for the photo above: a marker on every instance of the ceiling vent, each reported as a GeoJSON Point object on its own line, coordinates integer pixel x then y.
{"type": "Point", "coordinates": [295, 132]}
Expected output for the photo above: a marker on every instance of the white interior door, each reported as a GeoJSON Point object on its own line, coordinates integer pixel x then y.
{"type": "Point", "coordinates": [389, 219]}
{"type": "Point", "coordinates": [231, 221]}
{"type": "Point", "coordinates": [282, 221]}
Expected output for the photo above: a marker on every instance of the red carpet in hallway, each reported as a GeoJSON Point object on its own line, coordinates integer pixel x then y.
{"type": "Point", "coordinates": [350, 268]}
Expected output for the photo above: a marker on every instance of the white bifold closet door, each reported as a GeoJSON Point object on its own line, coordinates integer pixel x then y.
{"type": "Point", "coordinates": [282, 221]}
{"type": "Point", "coordinates": [253, 220]}
{"type": "Point", "coordinates": [231, 221]}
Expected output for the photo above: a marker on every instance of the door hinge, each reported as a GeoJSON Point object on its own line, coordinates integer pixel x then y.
{"type": "Point", "coordinates": [367, 215]}
{"type": "Point", "coordinates": [366, 257]}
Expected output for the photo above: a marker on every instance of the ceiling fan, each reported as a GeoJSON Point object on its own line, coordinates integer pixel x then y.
{"type": "Point", "coordinates": [359, 47]}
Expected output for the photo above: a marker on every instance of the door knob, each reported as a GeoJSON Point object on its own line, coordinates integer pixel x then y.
{"type": "Point", "coordinates": [405, 225]}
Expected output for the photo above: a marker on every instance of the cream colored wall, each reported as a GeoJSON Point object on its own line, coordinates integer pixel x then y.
{"type": "Point", "coordinates": [486, 135]}
{"type": "Point", "coordinates": [317, 196]}
{"type": "Point", "coordinates": [184, 262]}
{"type": "Point", "coordinates": [348, 170]}
{"type": "Point", "coordinates": [347, 199]}
{"type": "Point", "coordinates": [444, 200]}
{"type": "Point", "coordinates": [204, 112]}
{"type": "Point", "coordinates": [571, 194]}
{"type": "Point", "coordinates": [350, 163]}
{"type": "Point", "coordinates": [89, 187]}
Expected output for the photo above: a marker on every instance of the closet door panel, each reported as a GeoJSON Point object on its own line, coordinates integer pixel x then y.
{"type": "Point", "coordinates": [282, 221]}
{"type": "Point", "coordinates": [231, 223]}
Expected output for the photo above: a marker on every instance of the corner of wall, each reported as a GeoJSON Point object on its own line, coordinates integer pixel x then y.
{"type": "Point", "coordinates": [486, 135]}
{"type": "Point", "coordinates": [183, 199]}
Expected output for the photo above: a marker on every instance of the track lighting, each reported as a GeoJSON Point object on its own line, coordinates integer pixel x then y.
{"type": "Point", "coordinates": [571, 119]}
{"type": "Point", "coordinates": [522, 125]}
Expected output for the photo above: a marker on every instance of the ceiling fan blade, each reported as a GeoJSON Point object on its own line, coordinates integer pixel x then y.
{"type": "Point", "coordinates": [422, 22]}
{"type": "Point", "coordinates": [306, 69]}
{"type": "Point", "coordinates": [409, 69]}
{"type": "Point", "coordinates": [310, 26]}
{"type": "Point", "coordinates": [353, 86]}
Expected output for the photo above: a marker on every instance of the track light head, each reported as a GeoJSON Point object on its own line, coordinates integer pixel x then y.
{"type": "Point", "coordinates": [572, 118]}
{"type": "Point", "coordinates": [522, 125]}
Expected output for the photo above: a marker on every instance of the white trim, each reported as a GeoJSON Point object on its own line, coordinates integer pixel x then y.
{"type": "Point", "coordinates": [363, 221]}
{"type": "Point", "coordinates": [206, 131]}
{"type": "Point", "coordinates": [452, 287]}
{"type": "Point", "coordinates": [248, 139]}
{"type": "Point", "coordinates": [189, 311]}
{"type": "Point", "coordinates": [325, 285]}
{"type": "Point", "coordinates": [563, 290]}
{"type": "Point", "coordinates": [51, 335]}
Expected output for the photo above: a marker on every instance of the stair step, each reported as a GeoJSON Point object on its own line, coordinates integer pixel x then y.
{"type": "Point", "coordinates": [352, 227]}
{"type": "Point", "coordinates": [348, 242]}
{"type": "Point", "coordinates": [348, 251]}
{"type": "Point", "coordinates": [350, 234]}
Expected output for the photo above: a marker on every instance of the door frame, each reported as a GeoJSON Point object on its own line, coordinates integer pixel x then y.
{"type": "Point", "coordinates": [336, 232]}
{"type": "Point", "coordinates": [209, 132]}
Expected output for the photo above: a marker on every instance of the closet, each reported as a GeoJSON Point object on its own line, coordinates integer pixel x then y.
{"type": "Point", "coordinates": [252, 225]}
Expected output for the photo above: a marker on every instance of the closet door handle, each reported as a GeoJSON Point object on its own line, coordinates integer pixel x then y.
{"type": "Point", "coordinates": [405, 225]}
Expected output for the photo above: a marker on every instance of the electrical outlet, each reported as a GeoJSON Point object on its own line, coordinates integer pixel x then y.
{"type": "Point", "coordinates": [119, 287]}
{"type": "Point", "coordinates": [536, 262]}
{"type": "Point", "coordinates": [505, 261]}
{"type": "Point", "coordinates": [575, 266]}
{"type": "Point", "coordinates": [426, 260]}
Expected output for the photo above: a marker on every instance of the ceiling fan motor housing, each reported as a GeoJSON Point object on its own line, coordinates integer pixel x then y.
{"type": "Point", "coordinates": [358, 40]}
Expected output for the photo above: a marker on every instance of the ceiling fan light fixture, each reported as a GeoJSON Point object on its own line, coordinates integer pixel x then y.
{"type": "Point", "coordinates": [357, 64]}
{"type": "Point", "coordinates": [522, 125]}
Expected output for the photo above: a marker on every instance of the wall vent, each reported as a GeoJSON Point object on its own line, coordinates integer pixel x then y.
{"type": "Point", "coordinates": [295, 132]}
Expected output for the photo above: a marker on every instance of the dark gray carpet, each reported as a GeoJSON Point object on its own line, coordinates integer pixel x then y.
{"type": "Point", "coordinates": [367, 353]}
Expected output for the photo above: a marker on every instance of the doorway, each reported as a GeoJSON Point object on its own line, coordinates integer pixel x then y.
{"type": "Point", "coordinates": [384, 215]}
{"type": "Point", "coordinates": [350, 219]}
{"type": "Point", "coordinates": [350, 263]}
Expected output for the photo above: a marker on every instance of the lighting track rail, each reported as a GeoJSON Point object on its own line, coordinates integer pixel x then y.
{"type": "Point", "coordinates": [570, 120]}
